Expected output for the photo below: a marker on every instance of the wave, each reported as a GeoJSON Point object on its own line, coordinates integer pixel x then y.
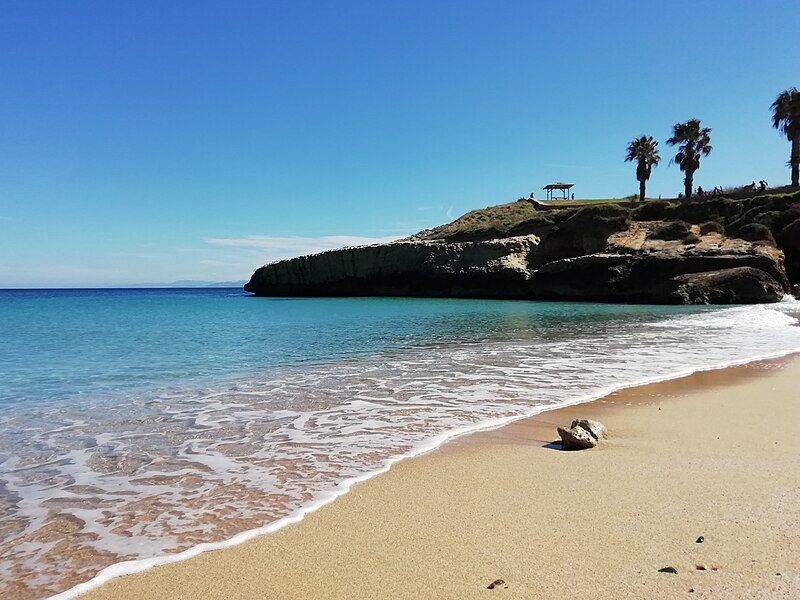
{"type": "Point", "coordinates": [138, 566]}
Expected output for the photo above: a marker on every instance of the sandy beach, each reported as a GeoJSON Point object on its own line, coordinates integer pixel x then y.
{"type": "Point", "coordinates": [712, 455]}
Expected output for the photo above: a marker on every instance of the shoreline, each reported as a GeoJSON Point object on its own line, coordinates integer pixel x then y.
{"type": "Point", "coordinates": [506, 428]}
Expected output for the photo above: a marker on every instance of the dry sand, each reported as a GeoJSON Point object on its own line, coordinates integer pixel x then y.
{"type": "Point", "coordinates": [714, 455]}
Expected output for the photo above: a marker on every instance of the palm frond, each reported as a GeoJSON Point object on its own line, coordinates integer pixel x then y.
{"type": "Point", "coordinates": [643, 150]}
{"type": "Point", "coordinates": [786, 112]}
{"type": "Point", "coordinates": [692, 141]}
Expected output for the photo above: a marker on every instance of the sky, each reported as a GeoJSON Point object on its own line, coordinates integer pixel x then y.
{"type": "Point", "coordinates": [162, 141]}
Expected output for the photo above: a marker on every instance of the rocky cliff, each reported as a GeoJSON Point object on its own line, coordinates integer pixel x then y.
{"type": "Point", "coordinates": [491, 269]}
{"type": "Point", "coordinates": [603, 252]}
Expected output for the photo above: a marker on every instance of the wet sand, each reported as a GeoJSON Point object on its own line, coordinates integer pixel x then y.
{"type": "Point", "coordinates": [713, 455]}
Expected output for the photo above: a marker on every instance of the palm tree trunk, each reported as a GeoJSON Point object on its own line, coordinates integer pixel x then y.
{"type": "Point", "coordinates": [794, 161]}
{"type": "Point", "coordinates": [642, 185]}
{"type": "Point", "coordinates": [687, 185]}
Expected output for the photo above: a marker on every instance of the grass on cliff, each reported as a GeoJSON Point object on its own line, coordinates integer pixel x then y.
{"type": "Point", "coordinates": [501, 220]}
{"type": "Point", "coordinates": [522, 217]}
{"type": "Point", "coordinates": [485, 223]}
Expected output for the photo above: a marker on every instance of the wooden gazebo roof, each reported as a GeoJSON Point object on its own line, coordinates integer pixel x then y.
{"type": "Point", "coordinates": [564, 187]}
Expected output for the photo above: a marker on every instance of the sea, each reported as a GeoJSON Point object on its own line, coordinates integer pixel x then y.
{"type": "Point", "coordinates": [143, 426]}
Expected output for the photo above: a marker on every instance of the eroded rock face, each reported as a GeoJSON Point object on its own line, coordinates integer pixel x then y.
{"type": "Point", "coordinates": [789, 238]}
{"type": "Point", "coordinates": [585, 232]}
{"type": "Point", "coordinates": [662, 278]}
{"type": "Point", "coordinates": [620, 261]}
{"type": "Point", "coordinates": [727, 286]}
{"type": "Point", "coordinates": [487, 269]}
{"type": "Point", "coordinates": [595, 428]}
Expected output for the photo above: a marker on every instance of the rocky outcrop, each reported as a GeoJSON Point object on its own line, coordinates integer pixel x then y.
{"type": "Point", "coordinates": [576, 438]}
{"type": "Point", "coordinates": [593, 253]}
{"type": "Point", "coordinates": [582, 434]}
{"type": "Point", "coordinates": [595, 428]}
{"type": "Point", "coordinates": [488, 269]}
{"type": "Point", "coordinates": [727, 286]}
{"type": "Point", "coordinates": [506, 268]}
{"type": "Point", "coordinates": [789, 240]}
{"type": "Point", "coordinates": [662, 278]}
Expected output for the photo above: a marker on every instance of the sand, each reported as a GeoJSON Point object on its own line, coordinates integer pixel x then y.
{"type": "Point", "coordinates": [715, 455]}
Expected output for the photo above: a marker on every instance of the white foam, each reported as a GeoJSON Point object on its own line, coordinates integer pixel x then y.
{"type": "Point", "coordinates": [137, 566]}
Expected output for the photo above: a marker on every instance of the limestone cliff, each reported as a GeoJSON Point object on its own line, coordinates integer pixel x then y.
{"type": "Point", "coordinates": [491, 269]}
{"type": "Point", "coordinates": [595, 253]}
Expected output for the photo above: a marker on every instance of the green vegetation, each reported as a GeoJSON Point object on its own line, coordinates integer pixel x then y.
{"type": "Point", "coordinates": [786, 119]}
{"type": "Point", "coordinates": [673, 230]}
{"type": "Point", "coordinates": [485, 223]}
{"type": "Point", "coordinates": [523, 218]}
{"type": "Point", "coordinates": [746, 191]}
{"type": "Point", "coordinates": [693, 141]}
{"type": "Point", "coordinates": [643, 150]}
{"type": "Point", "coordinates": [586, 202]}
{"type": "Point", "coordinates": [656, 210]}
{"type": "Point", "coordinates": [774, 211]}
{"type": "Point", "coordinates": [756, 232]}
{"type": "Point", "coordinates": [712, 227]}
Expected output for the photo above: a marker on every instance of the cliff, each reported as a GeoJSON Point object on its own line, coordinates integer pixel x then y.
{"type": "Point", "coordinates": [653, 253]}
{"type": "Point", "coordinates": [492, 269]}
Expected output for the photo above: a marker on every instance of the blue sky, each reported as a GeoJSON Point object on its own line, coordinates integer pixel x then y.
{"type": "Point", "coordinates": [161, 141]}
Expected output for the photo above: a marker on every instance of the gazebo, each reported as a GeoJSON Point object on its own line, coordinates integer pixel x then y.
{"type": "Point", "coordinates": [564, 187]}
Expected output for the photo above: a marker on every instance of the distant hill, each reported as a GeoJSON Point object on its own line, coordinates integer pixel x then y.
{"type": "Point", "coordinates": [189, 283]}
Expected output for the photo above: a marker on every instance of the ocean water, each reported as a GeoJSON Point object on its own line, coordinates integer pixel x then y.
{"type": "Point", "coordinates": [141, 426]}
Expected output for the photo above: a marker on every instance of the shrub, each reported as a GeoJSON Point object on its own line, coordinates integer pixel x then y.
{"type": "Point", "coordinates": [712, 227]}
{"type": "Point", "coordinates": [601, 211]}
{"type": "Point", "coordinates": [671, 230]}
{"type": "Point", "coordinates": [654, 210]}
{"type": "Point", "coordinates": [605, 217]}
{"type": "Point", "coordinates": [707, 210]}
{"type": "Point", "coordinates": [783, 218]}
{"type": "Point", "coordinates": [538, 225]}
{"type": "Point", "coordinates": [756, 232]}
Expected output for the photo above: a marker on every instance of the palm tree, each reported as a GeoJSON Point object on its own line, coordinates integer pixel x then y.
{"type": "Point", "coordinates": [786, 119]}
{"type": "Point", "coordinates": [644, 150]}
{"type": "Point", "coordinates": [693, 142]}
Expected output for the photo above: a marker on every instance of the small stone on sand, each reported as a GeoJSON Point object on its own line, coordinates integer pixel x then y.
{"type": "Point", "coordinates": [700, 540]}
{"type": "Point", "coordinates": [576, 439]}
{"type": "Point", "coordinates": [495, 583]}
{"type": "Point", "coordinates": [668, 570]}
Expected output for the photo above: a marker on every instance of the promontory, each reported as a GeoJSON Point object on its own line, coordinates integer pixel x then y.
{"type": "Point", "coordinates": [728, 250]}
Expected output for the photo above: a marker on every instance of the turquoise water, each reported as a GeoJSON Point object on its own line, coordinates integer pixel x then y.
{"type": "Point", "coordinates": [144, 422]}
{"type": "Point", "coordinates": [61, 343]}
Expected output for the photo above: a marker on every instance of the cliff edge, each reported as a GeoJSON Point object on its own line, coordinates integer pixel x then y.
{"type": "Point", "coordinates": [716, 252]}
